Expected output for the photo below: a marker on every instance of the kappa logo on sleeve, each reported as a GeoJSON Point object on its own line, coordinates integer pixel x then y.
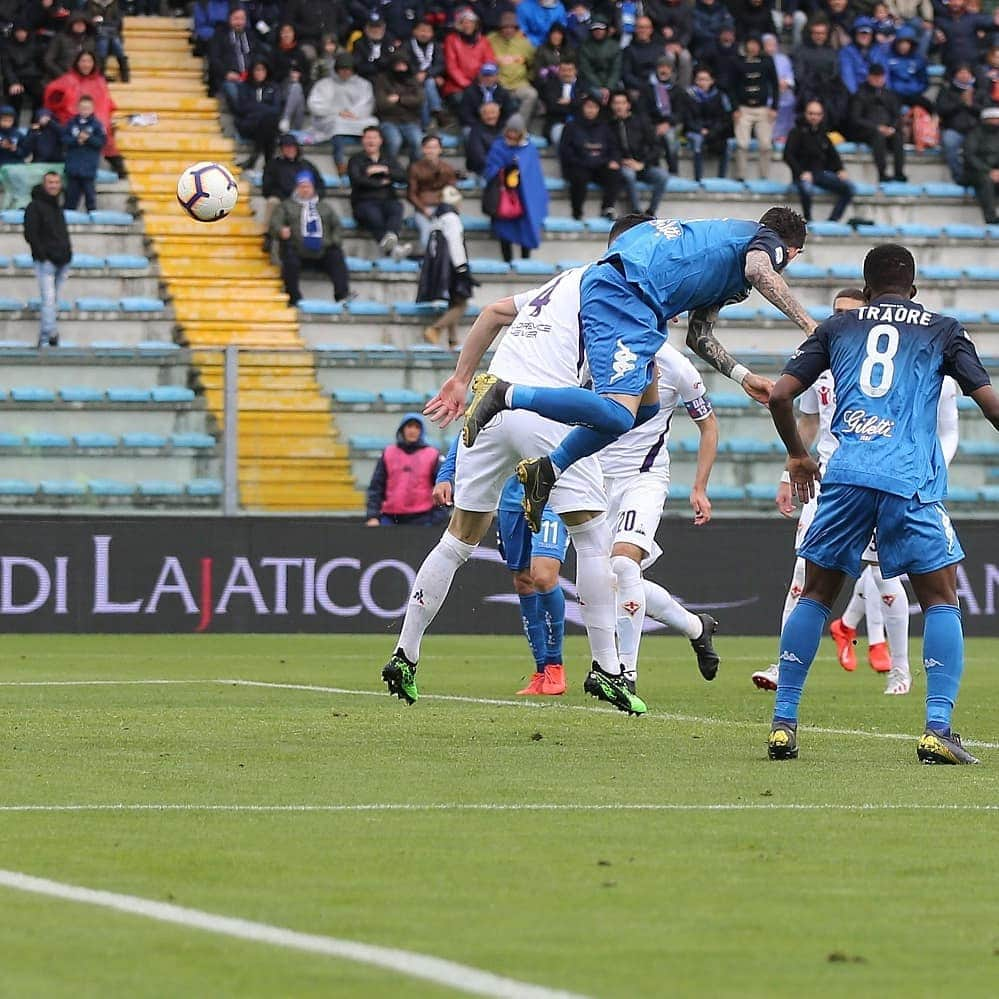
{"type": "Point", "coordinates": [624, 361]}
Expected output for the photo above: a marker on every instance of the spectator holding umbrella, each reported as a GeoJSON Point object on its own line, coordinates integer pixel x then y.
{"type": "Point", "coordinates": [515, 161]}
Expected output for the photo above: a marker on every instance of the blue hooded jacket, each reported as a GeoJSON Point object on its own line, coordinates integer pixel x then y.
{"type": "Point", "coordinates": [536, 20]}
{"type": "Point", "coordinates": [854, 62]}
{"type": "Point", "coordinates": [906, 73]}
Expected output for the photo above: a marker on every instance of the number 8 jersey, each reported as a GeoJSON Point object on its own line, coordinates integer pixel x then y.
{"type": "Point", "coordinates": [888, 360]}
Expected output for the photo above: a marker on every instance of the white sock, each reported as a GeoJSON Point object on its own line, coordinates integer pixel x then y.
{"type": "Point", "coordinates": [661, 606]}
{"type": "Point", "coordinates": [429, 590]}
{"type": "Point", "coordinates": [872, 606]}
{"type": "Point", "coordinates": [854, 612]}
{"type": "Point", "coordinates": [508, 397]}
{"type": "Point", "coordinates": [595, 588]}
{"type": "Point", "coordinates": [793, 591]}
{"type": "Point", "coordinates": [630, 609]}
{"type": "Point", "coordinates": [895, 610]}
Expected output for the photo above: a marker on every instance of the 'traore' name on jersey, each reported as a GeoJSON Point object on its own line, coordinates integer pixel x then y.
{"type": "Point", "coordinates": [888, 360]}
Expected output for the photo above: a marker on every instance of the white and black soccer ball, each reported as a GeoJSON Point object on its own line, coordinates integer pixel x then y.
{"type": "Point", "coordinates": [207, 191]}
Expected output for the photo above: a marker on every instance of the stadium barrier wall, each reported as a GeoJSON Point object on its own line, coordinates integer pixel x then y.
{"type": "Point", "coordinates": [270, 574]}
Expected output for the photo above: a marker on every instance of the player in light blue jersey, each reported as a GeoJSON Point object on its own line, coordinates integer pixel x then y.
{"type": "Point", "coordinates": [651, 273]}
{"type": "Point", "coordinates": [536, 562]}
{"type": "Point", "coordinates": [888, 360]}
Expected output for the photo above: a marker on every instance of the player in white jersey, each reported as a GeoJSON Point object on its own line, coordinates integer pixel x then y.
{"type": "Point", "coordinates": [543, 339]}
{"type": "Point", "coordinates": [869, 597]}
{"type": "Point", "coordinates": [636, 480]}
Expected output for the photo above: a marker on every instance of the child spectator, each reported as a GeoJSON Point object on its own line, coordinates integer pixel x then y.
{"type": "Point", "coordinates": [10, 137]}
{"type": "Point", "coordinates": [83, 139]}
{"type": "Point", "coordinates": [43, 143]}
{"type": "Point", "coordinates": [402, 484]}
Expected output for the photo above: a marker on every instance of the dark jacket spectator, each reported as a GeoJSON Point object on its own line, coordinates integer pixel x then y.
{"type": "Point", "coordinates": [958, 30]}
{"type": "Point", "coordinates": [402, 484]}
{"type": "Point", "coordinates": [481, 136]}
{"type": "Point", "coordinates": [553, 51]}
{"type": "Point", "coordinates": [707, 118]}
{"type": "Point", "coordinates": [756, 83]}
{"type": "Point", "coordinates": [231, 53]}
{"type": "Point", "coordinates": [638, 61]}
{"type": "Point", "coordinates": [258, 111]}
{"type": "Point", "coordinates": [288, 56]}
{"type": "Point", "coordinates": [490, 12]}
{"type": "Point", "coordinates": [466, 50]}
{"type": "Point", "coordinates": [22, 69]}
{"type": "Point", "coordinates": [486, 90]}
{"type": "Point", "coordinates": [62, 51]}
{"type": "Point", "coordinates": [400, 15]}
{"type": "Point", "coordinates": [369, 185]}
{"type": "Point", "coordinates": [709, 17]}
{"type": "Point", "coordinates": [45, 228]}
{"type": "Point", "coordinates": [674, 20]}
{"type": "Point", "coordinates": [373, 199]}
{"type": "Point", "coordinates": [426, 57]}
{"type": "Point", "coordinates": [959, 104]}
{"type": "Point", "coordinates": [987, 76]}
{"type": "Point", "coordinates": [981, 157]}
{"type": "Point", "coordinates": [723, 58]}
{"type": "Point", "coordinates": [752, 17]}
{"type": "Point", "coordinates": [43, 143]}
{"type": "Point", "coordinates": [560, 95]}
{"type": "Point", "coordinates": [82, 141]}
{"type": "Point", "coordinates": [409, 94]}
{"type": "Point", "coordinates": [536, 19]}
{"type": "Point", "coordinates": [45, 19]}
{"type": "Point", "coordinates": [815, 162]}
{"type": "Point", "coordinates": [816, 74]}
{"type": "Point", "coordinates": [374, 50]}
{"type": "Point", "coordinates": [588, 152]}
{"type": "Point", "coordinates": [281, 171]}
{"type": "Point", "coordinates": [10, 137]}
{"type": "Point", "coordinates": [875, 119]}
{"type": "Point", "coordinates": [600, 60]}
{"type": "Point", "coordinates": [312, 19]}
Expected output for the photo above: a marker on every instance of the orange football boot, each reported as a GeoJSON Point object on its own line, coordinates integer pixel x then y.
{"type": "Point", "coordinates": [879, 657]}
{"type": "Point", "coordinates": [844, 638]}
{"type": "Point", "coordinates": [535, 687]}
{"type": "Point", "coordinates": [554, 682]}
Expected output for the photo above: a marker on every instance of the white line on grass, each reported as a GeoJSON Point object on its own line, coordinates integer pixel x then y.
{"type": "Point", "coordinates": [737, 806]}
{"type": "Point", "coordinates": [95, 683]}
{"type": "Point", "coordinates": [660, 715]}
{"type": "Point", "coordinates": [431, 969]}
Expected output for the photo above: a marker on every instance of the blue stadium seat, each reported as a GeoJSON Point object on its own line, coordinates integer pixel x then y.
{"type": "Point", "coordinates": [961, 494]}
{"type": "Point", "coordinates": [81, 393]}
{"type": "Point", "coordinates": [354, 397]}
{"type": "Point", "coordinates": [340, 349]}
{"type": "Point", "coordinates": [156, 487]}
{"type": "Point", "coordinates": [683, 185]}
{"type": "Point", "coordinates": [969, 317]}
{"type": "Point", "coordinates": [936, 71]}
{"type": "Point", "coordinates": [361, 307]}
{"type": "Point", "coordinates": [77, 218]}
{"type": "Point", "coordinates": [770, 313]}
{"type": "Point", "coordinates": [919, 230]}
{"type": "Point", "coordinates": [964, 405]}
{"type": "Point", "coordinates": [598, 225]}
{"type": "Point", "coordinates": [123, 394]}
{"type": "Point", "coordinates": [102, 217]}
{"type": "Point", "coordinates": [940, 189]}
{"type": "Point", "coordinates": [96, 304]}
{"type": "Point", "coordinates": [863, 190]}
{"type": "Point", "coordinates": [425, 309]}
{"type": "Point", "coordinates": [818, 312]}
{"type": "Point", "coordinates": [992, 316]}
{"type": "Point", "coordinates": [761, 491]}
{"type": "Point", "coordinates": [568, 265]}
{"type": "Point", "coordinates": [746, 445]}
{"type": "Point", "coordinates": [26, 393]}
{"type": "Point", "coordinates": [978, 449]}
{"type": "Point", "coordinates": [560, 224]}
{"type": "Point", "coordinates": [688, 445]}
{"type": "Point", "coordinates": [348, 223]}
{"type": "Point", "coordinates": [11, 305]}
{"type": "Point", "coordinates": [829, 229]}
{"type": "Point", "coordinates": [990, 494]}
{"type": "Point", "coordinates": [722, 185]}
{"type": "Point", "coordinates": [965, 231]}
{"type": "Point", "coordinates": [156, 346]}
{"type": "Point", "coordinates": [127, 262]}
{"type": "Point", "coordinates": [935, 272]}
{"type": "Point", "coordinates": [730, 400]}
{"type": "Point", "coordinates": [532, 268]}
{"type": "Point", "coordinates": [192, 439]}
{"type": "Point", "coordinates": [389, 266]}
{"type": "Point", "coordinates": [476, 223]}
{"type": "Point", "coordinates": [878, 230]}
{"type": "Point", "coordinates": [135, 303]}
{"type": "Point", "coordinates": [770, 187]}
{"type": "Point", "coordinates": [366, 442]}
{"type": "Point", "coordinates": [982, 273]}
{"type": "Point", "coordinates": [402, 397]}
{"type": "Point", "coordinates": [319, 307]}
{"type": "Point", "coordinates": [55, 487]}
{"type": "Point", "coordinates": [539, 141]}
{"type": "Point", "coordinates": [172, 393]}
{"type": "Point", "coordinates": [894, 189]}
{"type": "Point", "coordinates": [107, 177]}
{"type": "Point", "coordinates": [24, 261]}
{"type": "Point", "coordinates": [847, 148]}
{"type": "Point", "coordinates": [468, 184]}
{"type": "Point", "coordinates": [10, 440]}
{"type": "Point", "coordinates": [109, 487]}
{"type": "Point", "coordinates": [846, 272]}
{"type": "Point", "coordinates": [739, 313]}
{"type": "Point", "coordinates": [487, 265]}
{"type": "Point", "coordinates": [204, 487]}
{"type": "Point", "coordinates": [86, 262]}
{"type": "Point", "coordinates": [726, 493]}
{"type": "Point", "coordinates": [472, 310]}
{"type": "Point", "coordinates": [554, 184]}
{"type": "Point", "coordinates": [804, 270]}
{"type": "Point", "coordinates": [42, 438]}
{"type": "Point", "coordinates": [12, 216]}
{"type": "Point", "coordinates": [449, 141]}
{"type": "Point", "coordinates": [380, 351]}
{"type": "Point", "coordinates": [359, 265]}
{"type": "Point", "coordinates": [97, 440]}
{"type": "Point", "coordinates": [143, 439]}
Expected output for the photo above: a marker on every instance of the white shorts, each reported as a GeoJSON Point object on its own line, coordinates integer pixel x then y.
{"type": "Point", "coordinates": [482, 471]}
{"type": "Point", "coordinates": [805, 519]}
{"type": "Point", "coordinates": [635, 507]}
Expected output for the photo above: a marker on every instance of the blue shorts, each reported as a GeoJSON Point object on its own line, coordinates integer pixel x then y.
{"type": "Point", "coordinates": [621, 333]}
{"type": "Point", "coordinates": [913, 537]}
{"type": "Point", "coordinates": [518, 545]}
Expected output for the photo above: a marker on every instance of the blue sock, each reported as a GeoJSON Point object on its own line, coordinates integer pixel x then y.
{"type": "Point", "coordinates": [534, 627]}
{"type": "Point", "coordinates": [553, 615]}
{"type": "Point", "coordinates": [943, 660]}
{"type": "Point", "coordinates": [799, 641]}
{"type": "Point", "coordinates": [575, 406]}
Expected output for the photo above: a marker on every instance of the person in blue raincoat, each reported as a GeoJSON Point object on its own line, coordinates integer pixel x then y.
{"type": "Point", "coordinates": [514, 154]}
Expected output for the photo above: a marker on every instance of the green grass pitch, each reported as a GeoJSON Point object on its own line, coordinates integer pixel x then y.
{"type": "Point", "coordinates": [761, 899]}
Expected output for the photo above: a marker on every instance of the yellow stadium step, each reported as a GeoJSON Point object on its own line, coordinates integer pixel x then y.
{"type": "Point", "coordinates": [180, 224]}
{"type": "Point", "coordinates": [152, 140]}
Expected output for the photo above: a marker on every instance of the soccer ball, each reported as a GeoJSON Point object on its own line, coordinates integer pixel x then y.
{"type": "Point", "coordinates": [207, 192]}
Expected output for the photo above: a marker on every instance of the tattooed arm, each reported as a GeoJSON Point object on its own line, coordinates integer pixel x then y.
{"type": "Point", "coordinates": [761, 275]}
{"type": "Point", "coordinates": [703, 342]}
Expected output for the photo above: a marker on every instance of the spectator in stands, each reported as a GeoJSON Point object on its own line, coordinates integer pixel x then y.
{"type": "Point", "coordinates": [10, 137]}
{"type": "Point", "coordinates": [589, 154]}
{"type": "Point", "coordinates": [46, 19]}
{"type": "Point", "coordinates": [957, 31]}
{"type": "Point", "coordinates": [445, 272]}
{"type": "Point", "coordinates": [210, 16]}
{"type": "Point", "coordinates": [486, 90]}
{"type": "Point", "coordinates": [306, 232]}
{"type": "Point", "coordinates": [709, 17]}
{"type": "Point", "coordinates": [289, 58]}
{"type": "Point", "coordinates": [753, 17]}
{"type": "Point", "coordinates": [875, 118]}
{"type": "Point", "coordinates": [907, 77]}
{"type": "Point", "coordinates": [229, 58]}
{"type": "Point", "coordinates": [427, 177]}
{"type": "Point", "coordinates": [342, 107]}
{"type": "Point", "coordinates": [538, 17]}
{"type": "Point", "coordinates": [82, 141]}
{"type": "Point", "coordinates": [427, 57]}
{"type": "Point", "coordinates": [280, 177]}
{"type": "Point", "coordinates": [988, 77]}
{"type": "Point", "coordinates": [62, 97]}
{"type": "Point", "coordinates": [785, 87]}
{"type": "Point", "coordinates": [399, 98]}
{"type": "Point", "coordinates": [258, 112]}
{"type": "Point", "coordinates": [577, 22]}
{"type": "Point", "coordinates": [756, 94]}
{"type": "Point", "coordinates": [815, 162]}
{"type": "Point", "coordinates": [561, 98]}
{"type": "Point", "coordinates": [43, 143]}
{"type": "Point", "coordinates": [816, 74]}
{"type": "Point", "coordinates": [514, 159]}
{"type": "Point", "coordinates": [662, 104]}
{"type": "Point", "coordinates": [723, 59]}
{"type": "Point", "coordinates": [515, 58]}
{"type": "Point", "coordinates": [707, 115]}
{"type": "Point", "coordinates": [639, 150]}
{"type": "Point", "coordinates": [840, 15]}
{"type": "Point", "coordinates": [399, 17]}
{"type": "Point", "coordinates": [373, 200]}
{"type": "Point", "coordinates": [856, 59]}
{"type": "Point", "coordinates": [105, 15]}
{"type": "Point", "coordinates": [674, 20]}
{"type": "Point", "coordinates": [20, 63]}
{"type": "Point", "coordinates": [315, 20]}
{"type": "Point", "coordinates": [402, 484]}
{"type": "Point", "coordinates": [600, 61]}
{"type": "Point", "coordinates": [46, 233]}
{"type": "Point", "coordinates": [67, 45]}
{"type": "Point", "coordinates": [959, 105]}
{"type": "Point", "coordinates": [466, 50]}
{"type": "Point", "coordinates": [374, 50]}
{"type": "Point", "coordinates": [918, 15]}
{"type": "Point", "coordinates": [481, 136]}
{"type": "Point", "coordinates": [552, 52]}
{"type": "Point", "coordinates": [981, 158]}
{"type": "Point", "coordinates": [639, 59]}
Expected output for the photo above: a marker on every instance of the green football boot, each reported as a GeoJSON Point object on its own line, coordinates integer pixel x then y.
{"type": "Point", "coordinates": [399, 675]}
{"type": "Point", "coordinates": [614, 690]}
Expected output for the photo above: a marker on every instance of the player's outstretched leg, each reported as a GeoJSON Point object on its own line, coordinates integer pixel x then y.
{"type": "Point", "coordinates": [663, 607]}
{"type": "Point", "coordinates": [488, 399]}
